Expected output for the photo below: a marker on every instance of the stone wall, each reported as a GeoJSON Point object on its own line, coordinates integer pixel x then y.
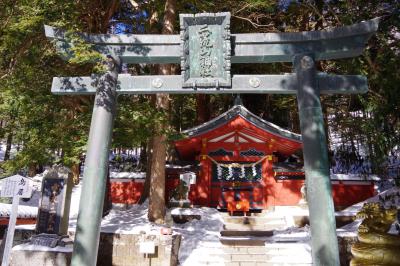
{"type": "Point", "coordinates": [123, 249]}
{"type": "Point", "coordinates": [40, 256]}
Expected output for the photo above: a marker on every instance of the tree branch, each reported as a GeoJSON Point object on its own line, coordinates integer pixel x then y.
{"type": "Point", "coordinates": [255, 25]}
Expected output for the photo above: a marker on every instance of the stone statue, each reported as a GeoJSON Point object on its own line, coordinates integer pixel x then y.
{"type": "Point", "coordinates": [376, 246]}
{"type": "Point", "coordinates": [180, 192]}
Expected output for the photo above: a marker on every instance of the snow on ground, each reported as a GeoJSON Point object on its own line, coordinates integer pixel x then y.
{"type": "Point", "coordinates": [199, 234]}
{"type": "Point", "coordinates": [129, 221]}
{"type": "Point", "coordinates": [291, 234]}
{"type": "Point", "coordinates": [30, 247]}
{"type": "Point", "coordinates": [75, 197]}
{"type": "Point", "coordinates": [195, 234]}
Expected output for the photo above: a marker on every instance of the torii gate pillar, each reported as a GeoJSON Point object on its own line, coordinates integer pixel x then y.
{"type": "Point", "coordinates": [96, 167]}
{"type": "Point", "coordinates": [319, 193]}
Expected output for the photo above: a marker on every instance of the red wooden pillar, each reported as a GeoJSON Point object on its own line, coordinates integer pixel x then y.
{"type": "Point", "coordinates": [269, 182]}
{"type": "Point", "coordinates": [204, 187]}
{"type": "Point", "coordinates": [204, 184]}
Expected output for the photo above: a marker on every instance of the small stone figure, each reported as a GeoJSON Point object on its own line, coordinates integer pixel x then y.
{"type": "Point", "coordinates": [180, 192]}
{"type": "Point", "coordinates": [55, 191]}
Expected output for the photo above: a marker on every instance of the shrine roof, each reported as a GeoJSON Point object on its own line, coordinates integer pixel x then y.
{"type": "Point", "coordinates": [247, 115]}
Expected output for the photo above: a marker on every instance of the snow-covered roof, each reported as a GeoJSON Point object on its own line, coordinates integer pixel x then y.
{"type": "Point", "coordinates": [128, 175]}
{"type": "Point", "coordinates": [295, 168]}
{"type": "Point", "coordinates": [247, 115]}
{"type": "Point", "coordinates": [354, 177]}
{"type": "Point", "coordinates": [23, 211]}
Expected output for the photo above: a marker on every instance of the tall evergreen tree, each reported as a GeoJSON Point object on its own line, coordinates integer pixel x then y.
{"type": "Point", "coordinates": [159, 145]}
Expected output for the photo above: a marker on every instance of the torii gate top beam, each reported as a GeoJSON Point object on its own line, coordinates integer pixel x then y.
{"type": "Point", "coordinates": [341, 42]}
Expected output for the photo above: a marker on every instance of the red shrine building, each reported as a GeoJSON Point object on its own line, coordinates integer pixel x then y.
{"type": "Point", "coordinates": [244, 163]}
{"type": "Point", "coordinates": [247, 163]}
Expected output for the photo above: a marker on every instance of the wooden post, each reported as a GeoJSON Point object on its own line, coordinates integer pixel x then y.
{"type": "Point", "coordinates": [10, 231]}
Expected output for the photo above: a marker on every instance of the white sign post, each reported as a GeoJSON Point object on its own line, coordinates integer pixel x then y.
{"type": "Point", "coordinates": [16, 187]}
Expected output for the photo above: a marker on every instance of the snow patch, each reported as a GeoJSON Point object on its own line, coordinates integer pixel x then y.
{"type": "Point", "coordinates": [131, 221]}
{"type": "Point", "coordinates": [128, 175]}
{"type": "Point", "coordinates": [185, 211]}
{"type": "Point", "coordinates": [31, 247]}
{"type": "Point", "coordinates": [198, 235]}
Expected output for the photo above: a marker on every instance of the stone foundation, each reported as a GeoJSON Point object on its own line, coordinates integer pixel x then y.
{"type": "Point", "coordinates": [123, 250]}
{"type": "Point", "coordinates": [114, 249]}
{"type": "Point", "coordinates": [40, 256]}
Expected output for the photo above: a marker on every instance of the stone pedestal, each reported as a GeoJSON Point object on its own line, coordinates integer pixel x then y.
{"type": "Point", "coordinates": [179, 204]}
{"type": "Point", "coordinates": [124, 249]}
{"type": "Point", "coordinates": [40, 255]}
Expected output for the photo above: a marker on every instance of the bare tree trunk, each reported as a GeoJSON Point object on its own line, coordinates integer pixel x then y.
{"type": "Point", "coordinates": [107, 198]}
{"type": "Point", "coordinates": [32, 170]}
{"type": "Point", "coordinates": [142, 159]}
{"type": "Point", "coordinates": [327, 135]}
{"type": "Point", "coordinates": [202, 108]}
{"type": "Point", "coordinates": [75, 169]}
{"type": "Point", "coordinates": [157, 189]}
{"type": "Point", "coordinates": [154, 19]}
{"type": "Point", "coordinates": [146, 185]}
{"type": "Point", "coordinates": [7, 153]}
{"type": "Point", "coordinates": [157, 180]}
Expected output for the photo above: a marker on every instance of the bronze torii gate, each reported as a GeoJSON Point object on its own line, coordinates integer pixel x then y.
{"type": "Point", "coordinates": [205, 49]}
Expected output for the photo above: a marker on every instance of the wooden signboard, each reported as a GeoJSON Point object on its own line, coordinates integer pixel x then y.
{"type": "Point", "coordinates": [14, 187]}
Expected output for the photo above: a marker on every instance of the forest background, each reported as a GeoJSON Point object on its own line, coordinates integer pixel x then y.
{"type": "Point", "coordinates": [48, 129]}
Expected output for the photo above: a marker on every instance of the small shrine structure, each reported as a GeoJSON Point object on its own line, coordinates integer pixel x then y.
{"type": "Point", "coordinates": [247, 164]}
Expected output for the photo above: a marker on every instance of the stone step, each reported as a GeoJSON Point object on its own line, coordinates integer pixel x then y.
{"type": "Point", "coordinates": [249, 263]}
{"type": "Point", "coordinates": [268, 255]}
{"type": "Point", "coordinates": [242, 240]}
{"type": "Point", "coordinates": [269, 226]}
{"type": "Point", "coordinates": [253, 220]}
{"type": "Point", "coordinates": [262, 233]}
{"type": "Point", "coordinates": [246, 259]}
{"type": "Point", "coordinates": [220, 250]}
{"type": "Point", "coordinates": [259, 212]}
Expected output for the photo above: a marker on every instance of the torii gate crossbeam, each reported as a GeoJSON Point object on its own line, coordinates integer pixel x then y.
{"type": "Point", "coordinates": [198, 33]}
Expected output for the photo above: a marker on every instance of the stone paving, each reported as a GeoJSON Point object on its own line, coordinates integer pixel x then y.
{"type": "Point", "coordinates": [245, 243]}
